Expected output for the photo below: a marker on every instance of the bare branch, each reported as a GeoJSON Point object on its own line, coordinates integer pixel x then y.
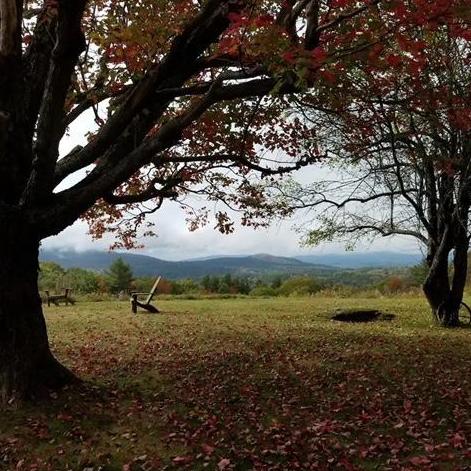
{"type": "Point", "coordinates": [346, 16]}
{"type": "Point", "coordinates": [92, 98]}
{"type": "Point", "coordinates": [386, 232]}
{"type": "Point", "coordinates": [241, 160]}
{"type": "Point", "coordinates": [341, 204]}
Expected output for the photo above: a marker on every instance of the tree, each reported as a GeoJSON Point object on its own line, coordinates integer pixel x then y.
{"type": "Point", "coordinates": [225, 284]}
{"type": "Point", "coordinates": [418, 273]}
{"type": "Point", "coordinates": [242, 285]}
{"type": "Point", "coordinates": [186, 96]}
{"type": "Point", "coordinates": [187, 286]}
{"type": "Point", "coordinates": [206, 283]}
{"type": "Point", "coordinates": [210, 283]}
{"type": "Point", "coordinates": [299, 286]}
{"type": "Point", "coordinates": [120, 276]}
{"type": "Point", "coordinates": [398, 138]}
{"type": "Point", "coordinates": [277, 282]}
{"type": "Point", "coordinates": [50, 274]}
{"type": "Point", "coordinates": [82, 281]}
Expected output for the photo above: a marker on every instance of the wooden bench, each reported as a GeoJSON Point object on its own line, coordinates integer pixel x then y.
{"type": "Point", "coordinates": [135, 303]}
{"type": "Point", "coordinates": [57, 298]}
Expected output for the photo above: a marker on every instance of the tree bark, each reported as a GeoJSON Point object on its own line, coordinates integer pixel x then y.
{"type": "Point", "coordinates": [27, 367]}
{"type": "Point", "coordinates": [437, 286]}
{"type": "Point", "coordinates": [445, 299]}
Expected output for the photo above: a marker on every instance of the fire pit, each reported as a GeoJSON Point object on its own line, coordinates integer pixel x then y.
{"type": "Point", "coordinates": [361, 315]}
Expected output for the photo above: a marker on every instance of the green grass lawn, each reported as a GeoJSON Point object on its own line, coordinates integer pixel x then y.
{"type": "Point", "coordinates": [249, 384]}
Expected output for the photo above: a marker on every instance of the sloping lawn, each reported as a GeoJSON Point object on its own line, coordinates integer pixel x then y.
{"type": "Point", "coordinates": [265, 384]}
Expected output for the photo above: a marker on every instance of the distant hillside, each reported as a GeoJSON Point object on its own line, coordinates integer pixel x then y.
{"type": "Point", "coordinates": [360, 270]}
{"type": "Point", "coordinates": [365, 259]}
{"type": "Point", "coordinates": [142, 265]}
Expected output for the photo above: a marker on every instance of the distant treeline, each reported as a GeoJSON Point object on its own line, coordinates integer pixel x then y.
{"type": "Point", "coordinates": [119, 279]}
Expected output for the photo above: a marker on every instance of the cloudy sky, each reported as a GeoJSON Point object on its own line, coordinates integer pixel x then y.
{"type": "Point", "coordinates": [175, 242]}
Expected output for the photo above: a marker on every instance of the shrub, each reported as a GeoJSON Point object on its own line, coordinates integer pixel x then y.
{"type": "Point", "coordinates": [394, 284]}
{"type": "Point", "coordinates": [299, 286]}
{"type": "Point", "coordinates": [81, 281]}
{"type": "Point", "coordinates": [185, 287]}
{"type": "Point", "coordinates": [263, 290]}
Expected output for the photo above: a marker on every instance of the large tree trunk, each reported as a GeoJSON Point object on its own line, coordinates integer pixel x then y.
{"type": "Point", "coordinates": [27, 367]}
{"type": "Point", "coordinates": [437, 283]}
{"type": "Point", "coordinates": [445, 300]}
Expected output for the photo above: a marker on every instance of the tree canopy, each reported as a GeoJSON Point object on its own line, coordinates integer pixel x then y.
{"type": "Point", "coordinates": [399, 138]}
{"type": "Point", "coordinates": [187, 97]}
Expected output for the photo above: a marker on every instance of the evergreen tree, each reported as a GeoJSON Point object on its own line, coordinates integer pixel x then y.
{"type": "Point", "coordinates": [120, 276]}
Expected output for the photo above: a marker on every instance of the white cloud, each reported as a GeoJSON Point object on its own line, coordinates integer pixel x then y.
{"type": "Point", "coordinates": [175, 242]}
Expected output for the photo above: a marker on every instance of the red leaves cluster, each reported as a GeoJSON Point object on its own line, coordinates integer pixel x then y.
{"type": "Point", "coordinates": [460, 117]}
{"type": "Point", "coordinates": [361, 50]}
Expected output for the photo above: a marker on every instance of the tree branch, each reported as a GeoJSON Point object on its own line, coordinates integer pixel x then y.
{"type": "Point", "coordinates": [36, 61]}
{"type": "Point", "coordinates": [288, 16]}
{"type": "Point", "coordinates": [311, 39]}
{"type": "Point", "coordinates": [98, 96]}
{"type": "Point", "coordinates": [70, 43]}
{"type": "Point", "coordinates": [244, 161]}
{"type": "Point", "coordinates": [343, 203]}
{"type": "Point", "coordinates": [110, 173]}
{"type": "Point", "coordinates": [9, 28]}
{"type": "Point", "coordinates": [346, 16]}
{"type": "Point", "coordinates": [150, 193]}
{"type": "Point", "coordinates": [94, 97]}
{"type": "Point", "coordinates": [174, 70]}
{"type": "Point", "coordinates": [384, 232]}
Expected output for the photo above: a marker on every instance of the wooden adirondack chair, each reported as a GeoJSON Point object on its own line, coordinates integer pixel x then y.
{"type": "Point", "coordinates": [135, 303]}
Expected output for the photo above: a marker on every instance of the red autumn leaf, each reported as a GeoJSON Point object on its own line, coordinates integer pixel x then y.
{"type": "Point", "coordinates": [419, 460]}
{"type": "Point", "coordinates": [319, 55]}
{"type": "Point", "coordinates": [182, 459]}
{"type": "Point", "coordinates": [224, 464]}
{"type": "Point", "coordinates": [328, 76]}
{"type": "Point", "coordinates": [262, 21]}
{"type": "Point", "coordinates": [235, 18]}
{"type": "Point", "coordinates": [457, 440]}
{"type": "Point", "coordinates": [65, 417]}
{"type": "Point", "coordinates": [289, 57]}
{"type": "Point", "coordinates": [207, 449]}
{"type": "Point", "coordinates": [394, 60]}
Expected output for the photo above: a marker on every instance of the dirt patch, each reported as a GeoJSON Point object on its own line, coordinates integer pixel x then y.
{"type": "Point", "coordinates": [367, 315]}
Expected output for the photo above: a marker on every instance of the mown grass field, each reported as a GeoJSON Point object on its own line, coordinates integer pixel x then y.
{"type": "Point", "coordinates": [249, 384]}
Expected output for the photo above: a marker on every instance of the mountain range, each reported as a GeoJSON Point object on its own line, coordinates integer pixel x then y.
{"type": "Point", "coordinates": [324, 266]}
{"type": "Point", "coordinates": [364, 259]}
